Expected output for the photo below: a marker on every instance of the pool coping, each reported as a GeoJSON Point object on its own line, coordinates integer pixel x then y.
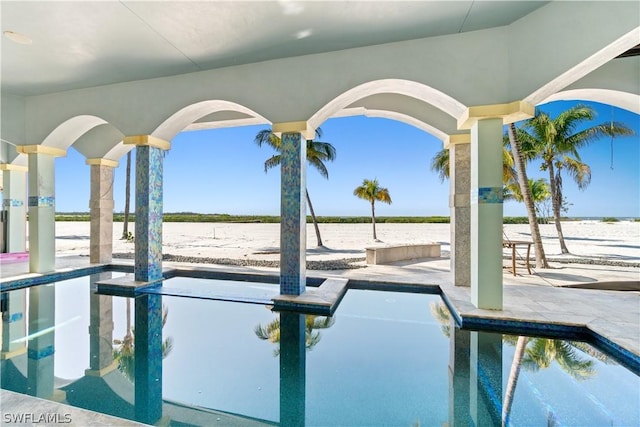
{"type": "Point", "coordinates": [455, 298]}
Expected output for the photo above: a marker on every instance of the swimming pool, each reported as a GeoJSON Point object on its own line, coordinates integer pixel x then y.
{"type": "Point", "coordinates": [384, 358]}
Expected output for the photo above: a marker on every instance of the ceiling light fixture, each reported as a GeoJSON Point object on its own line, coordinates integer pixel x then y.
{"type": "Point", "coordinates": [17, 37]}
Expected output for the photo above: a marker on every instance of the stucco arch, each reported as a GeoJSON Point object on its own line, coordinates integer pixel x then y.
{"type": "Point", "coordinates": [409, 88]}
{"type": "Point", "coordinates": [624, 100]}
{"type": "Point", "coordinates": [69, 131]}
{"type": "Point", "coordinates": [188, 115]}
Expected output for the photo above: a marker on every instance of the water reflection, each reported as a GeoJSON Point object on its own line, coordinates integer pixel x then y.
{"type": "Point", "coordinates": [272, 331]}
{"type": "Point", "coordinates": [491, 379]}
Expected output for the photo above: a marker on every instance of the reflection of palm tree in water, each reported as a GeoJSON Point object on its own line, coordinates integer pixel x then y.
{"type": "Point", "coordinates": [534, 354]}
{"type": "Point", "coordinates": [271, 332]}
{"type": "Point", "coordinates": [124, 354]}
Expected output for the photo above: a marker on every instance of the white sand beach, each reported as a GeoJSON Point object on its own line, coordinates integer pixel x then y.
{"type": "Point", "coordinates": [618, 241]}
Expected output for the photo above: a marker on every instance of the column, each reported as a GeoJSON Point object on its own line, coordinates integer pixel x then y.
{"type": "Point", "coordinates": [100, 329]}
{"type": "Point", "coordinates": [148, 358]}
{"type": "Point", "coordinates": [40, 348]}
{"type": "Point", "coordinates": [101, 209]}
{"type": "Point", "coordinates": [41, 206]}
{"type": "Point", "coordinates": [486, 379]}
{"type": "Point", "coordinates": [293, 208]}
{"type": "Point", "coordinates": [460, 211]}
{"type": "Point", "coordinates": [15, 190]}
{"type": "Point", "coordinates": [486, 196]}
{"type": "Point", "coordinates": [486, 214]}
{"type": "Point", "coordinates": [292, 369]}
{"type": "Point", "coordinates": [459, 376]}
{"type": "Point", "coordinates": [13, 372]}
{"type": "Point", "coordinates": [148, 229]}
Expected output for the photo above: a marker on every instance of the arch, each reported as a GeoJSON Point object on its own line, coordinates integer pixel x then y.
{"type": "Point", "coordinates": [69, 131]}
{"type": "Point", "coordinates": [185, 117]}
{"type": "Point", "coordinates": [393, 115]}
{"type": "Point", "coordinates": [624, 100]}
{"type": "Point", "coordinates": [409, 88]}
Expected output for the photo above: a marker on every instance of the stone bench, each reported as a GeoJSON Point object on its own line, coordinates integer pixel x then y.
{"type": "Point", "coordinates": [391, 253]}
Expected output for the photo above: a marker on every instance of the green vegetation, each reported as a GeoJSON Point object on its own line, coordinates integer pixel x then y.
{"type": "Point", "coordinates": [269, 219]}
{"type": "Point", "coordinates": [610, 219]}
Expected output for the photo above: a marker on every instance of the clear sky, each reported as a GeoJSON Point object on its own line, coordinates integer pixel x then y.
{"type": "Point", "coordinates": [222, 171]}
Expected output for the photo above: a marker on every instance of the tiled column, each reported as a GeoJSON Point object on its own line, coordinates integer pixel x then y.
{"type": "Point", "coordinates": [15, 190]}
{"type": "Point", "coordinates": [292, 369]}
{"type": "Point", "coordinates": [148, 358]}
{"type": "Point", "coordinates": [148, 229]}
{"type": "Point", "coordinates": [100, 330]}
{"type": "Point", "coordinates": [460, 211]}
{"type": "Point", "coordinates": [42, 224]}
{"type": "Point", "coordinates": [486, 196]}
{"type": "Point", "coordinates": [41, 347]}
{"type": "Point", "coordinates": [486, 379]}
{"type": "Point", "coordinates": [293, 210]}
{"type": "Point", "coordinates": [459, 379]}
{"type": "Point", "coordinates": [101, 208]}
{"type": "Point", "coordinates": [14, 347]}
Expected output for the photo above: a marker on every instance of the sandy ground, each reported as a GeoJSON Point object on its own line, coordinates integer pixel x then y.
{"type": "Point", "coordinates": [618, 241]}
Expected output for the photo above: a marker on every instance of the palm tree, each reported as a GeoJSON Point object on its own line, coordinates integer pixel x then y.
{"type": "Point", "coordinates": [127, 198]}
{"type": "Point", "coordinates": [124, 354]}
{"type": "Point", "coordinates": [526, 193]}
{"type": "Point", "coordinates": [557, 141]}
{"type": "Point", "coordinates": [317, 154]}
{"type": "Point", "coordinates": [271, 332]}
{"type": "Point", "coordinates": [371, 191]}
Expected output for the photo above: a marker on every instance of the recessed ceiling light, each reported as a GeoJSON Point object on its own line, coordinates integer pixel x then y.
{"type": "Point", "coordinates": [17, 37]}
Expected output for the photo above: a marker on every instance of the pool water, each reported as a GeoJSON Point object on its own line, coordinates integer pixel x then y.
{"type": "Point", "coordinates": [384, 358]}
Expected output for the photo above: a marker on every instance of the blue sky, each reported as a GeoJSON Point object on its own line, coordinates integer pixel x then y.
{"type": "Point", "coordinates": [222, 171]}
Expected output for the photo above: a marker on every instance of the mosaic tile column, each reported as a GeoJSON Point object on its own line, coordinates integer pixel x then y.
{"type": "Point", "coordinates": [40, 347]}
{"type": "Point", "coordinates": [101, 208]}
{"type": "Point", "coordinates": [486, 214]}
{"type": "Point", "coordinates": [100, 329]}
{"type": "Point", "coordinates": [42, 202]}
{"type": "Point", "coordinates": [14, 185]}
{"type": "Point", "coordinates": [486, 379]}
{"type": "Point", "coordinates": [292, 369]}
{"type": "Point", "coordinates": [459, 377]}
{"type": "Point", "coordinates": [148, 228]}
{"type": "Point", "coordinates": [148, 358]}
{"type": "Point", "coordinates": [293, 215]}
{"type": "Point", "coordinates": [460, 210]}
{"type": "Point", "coordinates": [14, 347]}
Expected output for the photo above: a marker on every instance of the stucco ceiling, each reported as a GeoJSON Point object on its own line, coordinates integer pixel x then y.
{"type": "Point", "coordinates": [85, 44]}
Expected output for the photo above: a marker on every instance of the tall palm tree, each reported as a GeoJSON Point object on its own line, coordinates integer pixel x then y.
{"type": "Point", "coordinates": [127, 199]}
{"type": "Point", "coordinates": [317, 154]}
{"type": "Point", "coordinates": [271, 332]}
{"type": "Point", "coordinates": [557, 141]}
{"type": "Point", "coordinates": [371, 191]}
{"type": "Point", "coordinates": [523, 184]}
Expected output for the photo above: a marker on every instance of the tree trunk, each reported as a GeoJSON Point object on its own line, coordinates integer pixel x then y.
{"type": "Point", "coordinates": [373, 219]}
{"type": "Point", "coordinates": [313, 217]}
{"type": "Point", "coordinates": [127, 197]}
{"type": "Point", "coordinates": [556, 202]}
{"type": "Point", "coordinates": [513, 378]}
{"type": "Point", "coordinates": [523, 180]}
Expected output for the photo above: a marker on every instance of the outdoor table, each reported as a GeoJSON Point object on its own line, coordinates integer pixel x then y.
{"type": "Point", "coordinates": [513, 244]}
